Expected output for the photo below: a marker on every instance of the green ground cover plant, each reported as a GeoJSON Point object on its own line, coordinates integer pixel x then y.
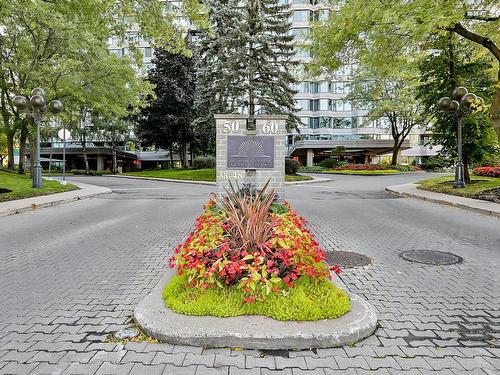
{"type": "Point", "coordinates": [307, 300]}
{"type": "Point", "coordinates": [18, 186]}
{"type": "Point", "coordinates": [478, 186]}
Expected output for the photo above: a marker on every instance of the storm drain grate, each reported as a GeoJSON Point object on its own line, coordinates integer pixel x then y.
{"type": "Point", "coordinates": [347, 259]}
{"type": "Point", "coordinates": [433, 257]}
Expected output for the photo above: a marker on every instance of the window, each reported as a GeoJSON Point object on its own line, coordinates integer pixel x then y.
{"type": "Point", "coordinates": [299, 1]}
{"type": "Point", "coordinates": [339, 105]}
{"type": "Point", "coordinates": [314, 105]}
{"type": "Point", "coordinates": [147, 52]}
{"type": "Point", "coordinates": [314, 88]}
{"type": "Point", "coordinates": [300, 15]}
{"type": "Point", "coordinates": [117, 52]}
{"type": "Point", "coordinates": [314, 122]}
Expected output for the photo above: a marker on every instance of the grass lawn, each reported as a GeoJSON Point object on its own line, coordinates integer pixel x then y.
{"type": "Point", "coordinates": [195, 174]}
{"type": "Point", "coordinates": [362, 172]}
{"type": "Point", "coordinates": [20, 187]}
{"type": "Point", "coordinates": [305, 301]}
{"type": "Point", "coordinates": [178, 174]}
{"type": "Point", "coordinates": [444, 185]}
{"type": "Point", "coordinates": [296, 177]}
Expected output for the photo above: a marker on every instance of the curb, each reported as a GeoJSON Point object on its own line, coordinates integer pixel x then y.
{"type": "Point", "coordinates": [251, 332]}
{"type": "Point", "coordinates": [30, 204]}
{"type": "Point", "coordinates": [444, 199]}
{"type": "Point", "coordinates": [208, 183]}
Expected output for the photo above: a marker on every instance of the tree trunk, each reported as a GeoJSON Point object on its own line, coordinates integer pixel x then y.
{"type": "Point", "coordinates": [495, 108]}
{"type": "Point", "coordinates": [395, 151]}
{"type": "Point", "coordinates": [185, 155]}
{"type": "Point", "coordinates": [115, 164]}
{"type": "Point", "coordinates": [465, 162]}
{"type": "Point", "coordinates": [22, 150]}
{"type": "Point", "coordinates": [85, 157]}
{"type": "Point", "coordinates": [10, 150]}
{"type": "Point", "coordinates": [170, 149]}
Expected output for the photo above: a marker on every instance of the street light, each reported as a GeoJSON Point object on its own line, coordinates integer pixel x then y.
{"type": "Point", "coordinates": [462, 101]}
{"type": "Point", "coordinates": [36, 107]}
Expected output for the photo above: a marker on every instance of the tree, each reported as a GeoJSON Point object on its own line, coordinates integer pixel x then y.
{"type": "Point", "coordinates": [3, 148]}
{"type": "Point", "coordinates": [57, 44]}
{"type": "Point", "coordinates": [168, 118]}
{"type": "Point", "coordinates": [451, 65]}
{"type": "Point", "coordinates": [385, 33]}
{"type": "Point", "coordinates": [245, 60]}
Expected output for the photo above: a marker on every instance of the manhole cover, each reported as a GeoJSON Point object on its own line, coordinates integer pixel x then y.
{"type": "Point", "coordinates": [346, 259]}
{"type": "Point", "coordinates": [436, 258]}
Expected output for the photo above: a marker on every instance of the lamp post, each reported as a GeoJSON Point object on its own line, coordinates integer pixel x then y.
{"type": "Point", "coordinates": [36, 107]}
{"type": "Point", "coordinates": [459, 105]}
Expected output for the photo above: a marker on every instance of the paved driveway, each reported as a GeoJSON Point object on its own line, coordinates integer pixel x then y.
{"type": "Point", "coordinates": [72, 274]}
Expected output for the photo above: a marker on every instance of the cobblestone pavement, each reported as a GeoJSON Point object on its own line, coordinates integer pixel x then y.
{"type": "Point", "coordinates": [70, 275]}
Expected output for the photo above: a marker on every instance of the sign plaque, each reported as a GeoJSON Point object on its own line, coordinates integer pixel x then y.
{"type": "Point", "coordinates": [250, 157]}
{"type": "Point", "coordinates": [250, 152]}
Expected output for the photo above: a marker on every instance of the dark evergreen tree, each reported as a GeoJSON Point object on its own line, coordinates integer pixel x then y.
{"type": "Point", "coordinates": [167, 122]}
{"type": "Point", "coordinates": [245, 61]}
{"type": "Point", "coordinates": [269, 56]}
{"type": "Point", "coordinates": [219, 76]}
{"type": "Point", "coordinates": [455, 65]}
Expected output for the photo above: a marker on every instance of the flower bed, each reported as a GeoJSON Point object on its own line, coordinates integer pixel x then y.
{"type": "Point", "coordinates": [487, 171]}
{"type": "Point", "coordinates": [253, 256]}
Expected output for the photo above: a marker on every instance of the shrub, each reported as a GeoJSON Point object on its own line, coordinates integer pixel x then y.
{"type": "Point", "coordinates": [315, 168]}
{"type": "Point", "coordinates": [434, 163]}
{"type": "Point", "coordinates": [202, 162]}
{"type": "Point", "coordinates": [362, 167]}
{"type": "Point", "coordinates": [251, 246]}
{"type": "Point", "coordinates": [329, 163]}
{"type": "Point", "coordinates": [292, 166]}
{"type": "Point", "coordinates": [493, 161]}
{"type": "Point", "coordinates": [487, 171]}
{"type": "Point", "coordinates": [91, 172]}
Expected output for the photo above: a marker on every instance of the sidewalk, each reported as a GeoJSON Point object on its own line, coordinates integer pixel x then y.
{"type": "Point", "coordinates": [28, 204]}
{"type": "Point", "coordinates": [211, 183]}
{"type": "Point", "coordinates": [410, 190]}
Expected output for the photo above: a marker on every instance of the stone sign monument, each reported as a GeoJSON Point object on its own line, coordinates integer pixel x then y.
{"type": "Point", "coordinates": [250, 157]}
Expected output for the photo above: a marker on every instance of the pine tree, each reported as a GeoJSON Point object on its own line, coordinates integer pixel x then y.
{"type": "Point", "coordinates": [245, 61]}
{"type": "Point", "coordinates": [218, 73]}
{"type": "Point", "coordinates": [268, 59]}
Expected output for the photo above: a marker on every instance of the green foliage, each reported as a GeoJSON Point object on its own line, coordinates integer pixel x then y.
{"type": "Point", "coordinates": [91, 172]}
{"type": "Point", "coordinates": [329, 163]}
{"type": "Point", "coordinates": [292, 166]}
{"type": "Point", "coordinates": [441, 72]}
{"type": "Point", "coordinates": [308, 300]}
{"type": "Point", "coordinates": [204, 162]}
{"type": "Point", "coordinates": [435, 163]}
{"type": "Point", "coordinates": [314, 168]}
